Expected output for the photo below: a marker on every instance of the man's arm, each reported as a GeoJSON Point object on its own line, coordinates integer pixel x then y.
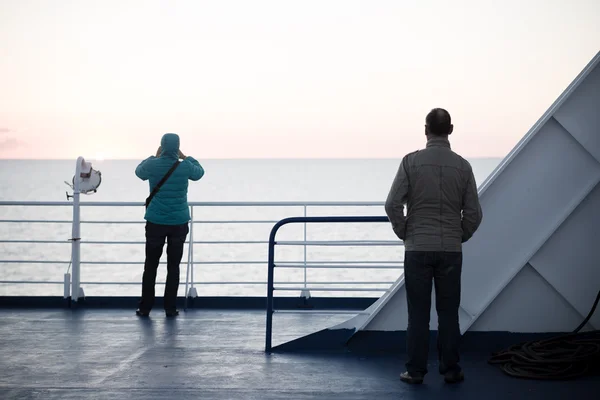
{"type": "Point", "coordinates": [394, 205]}
{"type": "Point", "coordinates": [142, 171]}
{"type": "Point", "coordinates": [196, 170]}
{"type": "Point", "coordinates": [472, 213]}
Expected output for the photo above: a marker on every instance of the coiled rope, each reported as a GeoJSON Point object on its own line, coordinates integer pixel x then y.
{"type": "Point", "coordinates": [558, 358]}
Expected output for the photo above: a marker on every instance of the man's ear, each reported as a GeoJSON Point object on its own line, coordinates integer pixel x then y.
{"type": "Point", "coordinates": [426, 131]}
{"type": "Point", "coordinates": [451, 129]}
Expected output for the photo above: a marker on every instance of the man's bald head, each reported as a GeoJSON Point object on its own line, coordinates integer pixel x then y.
{"type": "Point", "coordinates": [438, 122]}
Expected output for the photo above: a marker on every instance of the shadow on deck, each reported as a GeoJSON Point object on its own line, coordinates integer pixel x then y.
{"type": "Point", "coordinates": [219, 354]}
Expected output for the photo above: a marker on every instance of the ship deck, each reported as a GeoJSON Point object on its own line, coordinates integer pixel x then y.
{"type": "Point", "coordinates": [219, 354]}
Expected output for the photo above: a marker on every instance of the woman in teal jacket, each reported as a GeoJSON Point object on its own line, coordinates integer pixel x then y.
{"type": "Point", "coordinates": [167, 218]}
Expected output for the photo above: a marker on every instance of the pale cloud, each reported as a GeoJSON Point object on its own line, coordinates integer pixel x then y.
{"type": "Point", "coordinates": [10, 144]}
{"type": "Point", "coordinates": [7, 144]}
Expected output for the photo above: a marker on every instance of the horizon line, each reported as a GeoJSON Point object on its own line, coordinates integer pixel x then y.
{"type": "Point", "coordinates": [232, 158]}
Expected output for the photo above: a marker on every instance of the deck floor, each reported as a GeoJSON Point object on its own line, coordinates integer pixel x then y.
{"type": "Point", "coordinates": [205, 354]}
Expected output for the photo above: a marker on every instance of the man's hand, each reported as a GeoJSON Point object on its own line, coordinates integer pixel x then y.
{"type": "Point", "coordinates": [158, 151]}
{"type": "Point", "coordinates": [181, 155]}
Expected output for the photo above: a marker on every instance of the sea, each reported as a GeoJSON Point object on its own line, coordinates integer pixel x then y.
{"type": "Point", "coordinates": [219, 269]}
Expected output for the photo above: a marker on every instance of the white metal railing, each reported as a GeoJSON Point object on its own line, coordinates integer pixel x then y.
{"type": "Point", "coordinates": [191, 281]}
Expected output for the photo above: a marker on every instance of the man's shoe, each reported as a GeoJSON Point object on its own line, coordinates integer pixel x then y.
{"type": "Point", "coordinates": [141, 313]}
{"type": "Point", "coordinates": [408, 378]}
{"type": "Point", "coordinates": [454, 377]}
{"type": "Point", "coordinates": [171, 313]}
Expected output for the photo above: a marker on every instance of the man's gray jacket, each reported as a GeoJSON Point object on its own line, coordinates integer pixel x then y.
{"type": "Point", "coordinates": [439, 189]}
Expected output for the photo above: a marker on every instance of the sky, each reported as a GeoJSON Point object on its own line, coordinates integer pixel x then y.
{"type": "Point", "coordinates": [282, 79]}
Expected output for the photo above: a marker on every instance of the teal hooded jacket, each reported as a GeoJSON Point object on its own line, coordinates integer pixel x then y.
{"type": "Point", "coordinates": [169, 206]}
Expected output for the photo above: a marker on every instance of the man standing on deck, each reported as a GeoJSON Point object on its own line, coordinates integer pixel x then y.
{"type": "Point", "coordinates": [167, 216]}
{"type": "Point", "coordinates": [443, 211]}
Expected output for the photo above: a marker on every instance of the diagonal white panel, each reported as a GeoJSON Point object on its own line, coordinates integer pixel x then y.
{"type": "Point", "coordinates": [522, 208]}
{"type": "Point", "coordinates": [528, 304]}
{"type": "Point", "coordinates": [580, 114]}
{"type": "Point", "coordinates": [569, 259]}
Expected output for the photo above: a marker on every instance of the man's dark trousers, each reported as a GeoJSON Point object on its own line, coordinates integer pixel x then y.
{"type": "Point", "coordinates": [421, 268]}
{"type": "Point", "coordinates": [175, 236]}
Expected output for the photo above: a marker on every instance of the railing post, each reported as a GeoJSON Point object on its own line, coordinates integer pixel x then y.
{"type": "Point", "coordinates": [305, 293]}
{"type": "Point", "coordinates": [187, 272]}
{"type": "Point", "coordinates": [75, 233]}
{"type": "Point", "coordinates": [67, 286]}
{"type": "Point", "coordinates": [193, 293]}
{"type": "Point", "coordinates": [190, 265]}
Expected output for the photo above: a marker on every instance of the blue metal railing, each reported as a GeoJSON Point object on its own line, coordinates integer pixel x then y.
{"type": "Point", "coordinates": [271, 259]}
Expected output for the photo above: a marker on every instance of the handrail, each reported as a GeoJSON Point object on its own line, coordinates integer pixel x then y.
{"type": "Point", "coordinates": [199, 203]}
{"type": "Point", "coordinates": [260, 218]}
{"type": "Point", "coordinates": [271, 258]}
